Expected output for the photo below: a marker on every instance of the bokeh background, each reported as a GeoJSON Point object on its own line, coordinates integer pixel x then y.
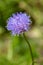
{"type": "Point", "coordinates": [14, 49]}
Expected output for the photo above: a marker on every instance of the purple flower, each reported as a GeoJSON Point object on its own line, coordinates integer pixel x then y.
{"type": "Point", "coordinates": [18, 23]}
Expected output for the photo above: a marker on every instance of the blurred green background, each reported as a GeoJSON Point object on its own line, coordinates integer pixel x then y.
{"type": "Point", "coordinates": [13, 49]}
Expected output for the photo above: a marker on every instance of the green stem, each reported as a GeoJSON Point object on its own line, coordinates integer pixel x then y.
{"type": "Point", "coordinates": [29, 48]}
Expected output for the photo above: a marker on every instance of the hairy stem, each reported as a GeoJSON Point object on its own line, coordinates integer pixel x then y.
{"type": "Point", "coordinates": [29, 48]}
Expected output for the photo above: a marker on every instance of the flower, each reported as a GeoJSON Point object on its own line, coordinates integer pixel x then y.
{"type": "Point", "coordinates": [18, 23]}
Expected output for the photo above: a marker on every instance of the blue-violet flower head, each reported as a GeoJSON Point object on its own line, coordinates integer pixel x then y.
{"type": "Point", "coordinates": [18, 23]}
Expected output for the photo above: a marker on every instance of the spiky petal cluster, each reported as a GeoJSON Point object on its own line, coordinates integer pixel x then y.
{"type": "Point", "coordinates": [18, 23]}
